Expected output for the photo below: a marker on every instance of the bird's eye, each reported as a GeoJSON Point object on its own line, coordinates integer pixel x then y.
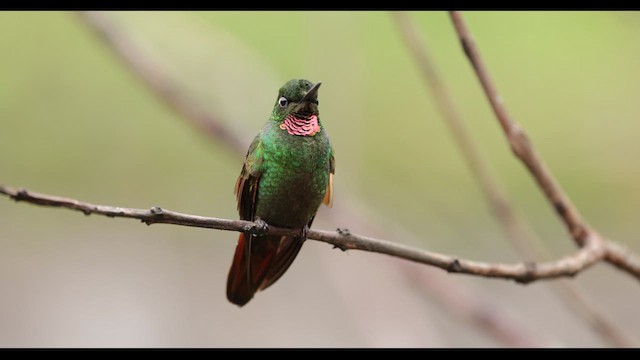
{"type": "Point", "coordinates": [283, 101]}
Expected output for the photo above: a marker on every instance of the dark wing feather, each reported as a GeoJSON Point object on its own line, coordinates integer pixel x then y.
{"type": "Point", "coordinates": [288, 249]}
{"type": "Point", "coordinates": [239, 289]}
{"type": "Point", "coordinates": [248, 269]}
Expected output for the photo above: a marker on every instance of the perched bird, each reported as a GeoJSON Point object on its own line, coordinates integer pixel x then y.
{"type": "Point", "coordinates": [287, 174]}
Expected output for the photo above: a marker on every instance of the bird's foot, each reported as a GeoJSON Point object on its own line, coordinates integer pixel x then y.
{"type": "Point", "coordinates": [304, 232]}
{"type": "Point", "coordinates": [260, 228]}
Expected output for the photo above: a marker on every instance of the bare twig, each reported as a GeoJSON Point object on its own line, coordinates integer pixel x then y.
{"type": "Point", "coordinates": [519, 142]}
{"type": "Point", "coordinates": [501, 327]}
{"type": "Point", "coordinates": [567, 266]}
{"type": "Point", "coordinates": [152, 75]}
{"type": "Point", "coordinates": [514, 226]}
{"type": "Point", "coordinates": [621, 257]}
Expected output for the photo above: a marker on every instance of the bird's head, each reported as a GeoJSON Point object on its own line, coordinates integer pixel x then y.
{"type": "Point", "coordinates": [297, 97]}
{"type": "Point", "coordinates": [296, 108]}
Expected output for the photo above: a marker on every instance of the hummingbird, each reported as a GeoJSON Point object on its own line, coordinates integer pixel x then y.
{"type": "Point", "coordinates": [287, 174]}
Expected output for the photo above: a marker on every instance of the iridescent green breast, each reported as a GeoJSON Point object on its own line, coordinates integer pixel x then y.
{"type": "Point", "coordinates": [294, 178]}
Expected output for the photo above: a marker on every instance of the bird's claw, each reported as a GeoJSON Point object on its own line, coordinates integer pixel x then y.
{"type": "Point", "coordinates": [304, 232]}
{"type": "Point", "coordinates": [260, 228]}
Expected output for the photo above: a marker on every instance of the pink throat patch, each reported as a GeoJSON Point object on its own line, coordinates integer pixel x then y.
{"type": "Point", "coordinates": [301, 126]}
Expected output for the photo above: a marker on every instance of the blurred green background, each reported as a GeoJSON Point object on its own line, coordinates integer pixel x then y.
{"type": "Point", "coordinates": [75, 122]}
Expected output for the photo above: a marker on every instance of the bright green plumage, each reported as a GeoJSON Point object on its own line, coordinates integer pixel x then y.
{"type": "Point", "coordinates": [287, 174]}
{"type": "Point", "coordinates": [294, 178]}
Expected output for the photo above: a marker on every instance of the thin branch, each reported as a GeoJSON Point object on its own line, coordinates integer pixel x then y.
{"type": "Point", "coordinates": [496, 196]}
{"type": "Point", "coordinates": [567, 266]}
{"type": "Point", "coordinates": [149, 73]}
{"type": "Point", "coordinates": [519, 141]}
{"type": "Point", "coordinates": [144, 68]}
{"type": "Point", "coordinates": [580, 231]}
{"type": "Point", "coordinates": [621, 257]}
{"type": "Point", "coordinates": [513, 225]}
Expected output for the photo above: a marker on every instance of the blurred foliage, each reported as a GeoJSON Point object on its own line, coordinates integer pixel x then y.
{"type": "Point", "coordinates": [74, 122]}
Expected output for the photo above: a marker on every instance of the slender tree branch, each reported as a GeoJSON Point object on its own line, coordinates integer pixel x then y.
{"type": "Point", "coordinates": [149, 73]}
{"type": "Point", "coordinates": [621, 257]}
{"type": "Point", "coordinates": [519, 141]}
{"type": "Point", "coordinates": [143, 67]}
{"type": "Point", "coordinates": [567, 266]}
{"type": "Point", "coordinates": [524, 150]}
{"type": "Point", "coordinates": [513, 225]}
